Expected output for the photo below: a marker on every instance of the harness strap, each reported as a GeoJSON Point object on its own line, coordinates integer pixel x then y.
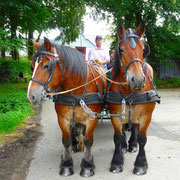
{"type": "Point", "coordinates": [37, 80]}
{"type": "Point", "coordinates": [133, 60]}
{"type": "Point", "coordinates": [73, 118]}
{"type": "Point", "coordinates": [130, 120]}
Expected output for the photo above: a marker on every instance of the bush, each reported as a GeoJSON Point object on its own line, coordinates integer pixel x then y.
{"type": "Point", "coordinates": [10, 68]}
{"type": "Point", "coordinates": [172, 82]}
{"type": "Point", "coordinates": [14, 106]}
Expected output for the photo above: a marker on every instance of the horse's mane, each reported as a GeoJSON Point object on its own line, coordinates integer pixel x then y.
{"type": "Point", "coordinates": [125, 38]}
{"type": "Point", "coordinates": [73, 60]}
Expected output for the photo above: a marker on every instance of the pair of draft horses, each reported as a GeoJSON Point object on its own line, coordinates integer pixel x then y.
{"type": "Point", "coordinates": [59, 68]}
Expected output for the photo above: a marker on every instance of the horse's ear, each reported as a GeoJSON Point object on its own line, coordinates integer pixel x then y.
{"type": "Point", "coordinates": [36, 45]}
{"type": "Point", "coordinates": [141, 29]}
{"type": "Point", "coordinates": [120, 30]}
{"type": "Point", "coordinates": [47, 44]}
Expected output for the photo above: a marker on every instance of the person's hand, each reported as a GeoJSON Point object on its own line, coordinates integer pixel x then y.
{"type": "Point", "coordinates": [98, 61]}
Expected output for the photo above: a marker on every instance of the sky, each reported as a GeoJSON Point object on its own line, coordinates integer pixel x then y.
{"type": "Point", "coordinates": [91, 27]}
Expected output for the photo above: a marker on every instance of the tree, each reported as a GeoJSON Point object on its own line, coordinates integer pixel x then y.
{"type": "Point", "coordinates": [21, 18]}
{"type": "Point", "coordinates": [160, 16]}
{"type": "Point", "coordinates": [66, 16]}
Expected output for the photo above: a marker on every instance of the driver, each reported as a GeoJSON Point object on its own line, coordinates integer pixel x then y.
{"type": "Point", "coordinates": [98, 54]}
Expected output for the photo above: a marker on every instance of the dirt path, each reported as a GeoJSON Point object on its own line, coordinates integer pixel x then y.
{"type": "Point", "coordinates": [16, 155]}
{"type": "Point", "coordinates": [162, 148]}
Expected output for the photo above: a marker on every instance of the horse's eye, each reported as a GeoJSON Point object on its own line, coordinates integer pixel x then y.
{"type": "Point", "coordinates": [46, 66]}
{"type": "Point", "coordinates": [121, 50]}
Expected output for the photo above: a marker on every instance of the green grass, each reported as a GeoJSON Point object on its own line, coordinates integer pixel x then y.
{"type": "Point", "coordinates": [14, 106]}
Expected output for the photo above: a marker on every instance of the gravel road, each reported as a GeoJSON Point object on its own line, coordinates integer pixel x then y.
{"type": "Point", "coordinates": [162, 148]}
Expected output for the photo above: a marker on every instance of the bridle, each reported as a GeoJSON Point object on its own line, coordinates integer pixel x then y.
{"type": "Point", "coordinates": [131, 36]}
{"type": "Point", "coordinates": [51, 68]}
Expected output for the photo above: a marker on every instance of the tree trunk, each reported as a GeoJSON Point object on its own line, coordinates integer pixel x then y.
{"type": "Point", "coordinates": [30, 44]}
{"type": "Point", "coordinates": [3, 54]}
{"type": "Point", "coordinates": [39, 35]}
{"type": "Point", "coordinates": [14, 51]}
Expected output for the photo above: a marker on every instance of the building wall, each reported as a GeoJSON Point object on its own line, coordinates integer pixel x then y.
{"type": "Point", "coordinates": [171, 70]}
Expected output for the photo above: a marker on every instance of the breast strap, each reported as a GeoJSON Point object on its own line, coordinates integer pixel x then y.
{"type": "Point", "coordinates": [89, 98]}
{"type": "Point", "coordinates": [140, 98]}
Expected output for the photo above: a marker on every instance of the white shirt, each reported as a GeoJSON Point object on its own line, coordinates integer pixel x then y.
{"type": "Point", "coordinates": [101, 54]}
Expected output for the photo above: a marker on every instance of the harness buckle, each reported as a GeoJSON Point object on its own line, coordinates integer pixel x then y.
{"type": "Point", "coordinates": [55, 55]}
{"type": "Point", "coordinates": [44, 94]}
{"type": "Point", "coordinates": [123, 109]}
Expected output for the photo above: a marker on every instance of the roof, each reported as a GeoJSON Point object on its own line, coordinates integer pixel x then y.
{"type": "Point", "coordinates": [81, 41]}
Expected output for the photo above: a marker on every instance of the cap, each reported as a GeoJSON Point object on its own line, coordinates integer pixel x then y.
{"type": "Point", "coordinates": [98, 37]}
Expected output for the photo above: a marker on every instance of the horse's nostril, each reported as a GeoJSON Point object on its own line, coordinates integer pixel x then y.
{"type": "Point", "coordinates": [132, 79]}
{"type": "Point", "coordinates": [33, 97]}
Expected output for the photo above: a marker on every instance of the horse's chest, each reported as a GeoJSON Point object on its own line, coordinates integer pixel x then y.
{"type": "Point", "coordinates": [135, 112]}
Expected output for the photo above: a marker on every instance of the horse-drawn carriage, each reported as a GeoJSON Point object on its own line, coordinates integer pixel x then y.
{"type": "Point", "coordinates": [80, 92]}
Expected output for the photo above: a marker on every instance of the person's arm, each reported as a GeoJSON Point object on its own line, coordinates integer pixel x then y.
{"type": "Point", "coordinates": [90, 55]}
{"type": "Point", "coordinates": [107, 58]}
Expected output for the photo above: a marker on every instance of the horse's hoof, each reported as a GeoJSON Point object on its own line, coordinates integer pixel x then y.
{"type": "Point", "coordinates": [66, 171]}
{"type": "Point", "coordinates": [140, 170]}
{"type": "Point", "coordinates": [87, 172]}
{"type": "Point", "coordinates": [124, 150]}
{"type": "Point", "coordinates": [116, 168]}
{"type": "Point", "coordinates": [132, 149]}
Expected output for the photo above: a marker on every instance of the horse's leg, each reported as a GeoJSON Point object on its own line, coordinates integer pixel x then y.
{"type": "Point", "coordinates": [81, 139]}
{"type": "Point", "coordinates": [66, 166]}
{"type": "Point", "coordinates": [73, 140]}
{"type": "Point", "coordinates": [124, 143]}
{"type": "Point", "coordinates": [140, 165]}
{"type": "Point", "coordinates": [118, 159]}
{"type": "Point", "coordinates": [87, 163]}
{"type": "Point", "coordinates": [133, 139]}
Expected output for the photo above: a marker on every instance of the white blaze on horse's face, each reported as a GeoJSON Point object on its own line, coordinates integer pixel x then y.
{"type": "Point", "coordinates": [135, 76]}
{"type": "Point", "coordinates": [33, 93]}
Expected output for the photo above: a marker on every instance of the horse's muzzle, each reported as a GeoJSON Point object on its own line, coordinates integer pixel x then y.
{"type": "Point", "coordinates": [35, 96]}
{"type": "Point", "coordinates": [136, 83]}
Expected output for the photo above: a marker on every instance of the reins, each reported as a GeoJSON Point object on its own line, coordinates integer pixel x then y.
{"type": "Point", "coordinates": [118, 83]}
{"type": "Point", "coordinates": [101, 74]}
{"type": "Point", "coordinates": [67, 91]}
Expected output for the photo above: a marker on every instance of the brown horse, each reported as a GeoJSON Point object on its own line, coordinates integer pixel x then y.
{"type": "Point", "coordinates": [134, 101]}
{"type": "Point", "coordinates": [60, 68]}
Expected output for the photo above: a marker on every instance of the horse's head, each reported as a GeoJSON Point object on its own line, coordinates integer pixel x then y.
{"type": "Point", "coordinates": [47, 71]}
{"type": "Point", "coordinates": [130, 54]}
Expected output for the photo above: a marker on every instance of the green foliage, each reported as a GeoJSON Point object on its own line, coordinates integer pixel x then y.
{"type": "Point", "coordinates": [10, 69]}
{"type": "Point", "coordinates": [8, 44]}
{"type": "Point", "coordinates": [160, 16]}
{"type": "Point", "coordinates": [14, 106]}
{"type": "Point", "coordinates": [67, 17]}
{"type": "Point", "coordinates": [172, 82]}
{"type": "Point", "coordinates": [25, 17]}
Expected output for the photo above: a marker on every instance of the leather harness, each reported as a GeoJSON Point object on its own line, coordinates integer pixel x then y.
{"type": "Point", "coordinates": [98, 97]}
